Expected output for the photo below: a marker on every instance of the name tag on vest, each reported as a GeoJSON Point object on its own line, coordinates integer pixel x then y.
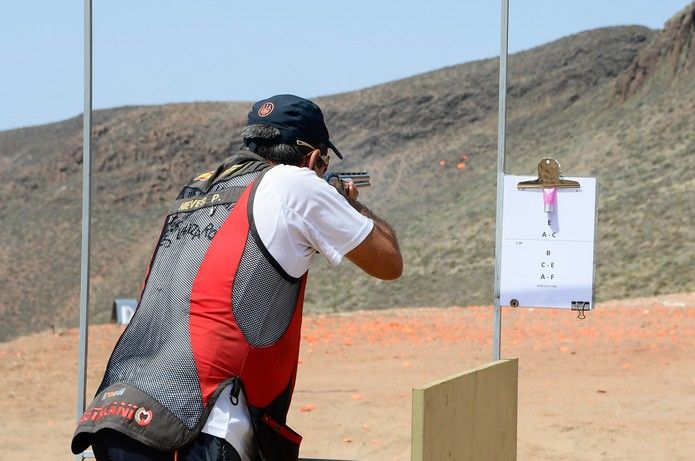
{"type": "Point", "coordinates": [185, 205]}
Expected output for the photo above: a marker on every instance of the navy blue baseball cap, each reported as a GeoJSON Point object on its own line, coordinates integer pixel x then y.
{"type": "Point", "coordinates": [296, 118]}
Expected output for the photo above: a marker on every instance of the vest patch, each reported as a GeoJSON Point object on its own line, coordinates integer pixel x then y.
{"type": "Point", "coordinates": [185, 205]}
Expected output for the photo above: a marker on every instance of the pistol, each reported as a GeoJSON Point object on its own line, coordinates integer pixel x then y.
{"type": "Point", "coordinates": [338, 179]}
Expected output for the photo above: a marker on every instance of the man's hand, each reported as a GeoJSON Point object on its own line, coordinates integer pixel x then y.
{"type": "Point", "coordinates": [350, 191]}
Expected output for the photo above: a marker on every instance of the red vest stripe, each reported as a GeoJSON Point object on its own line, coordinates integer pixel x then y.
{"type": "Point", "coordinates": [217, 342]}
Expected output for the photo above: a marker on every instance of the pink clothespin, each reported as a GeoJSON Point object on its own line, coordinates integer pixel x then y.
{"type": "Point", "coordinates": [549, 199]}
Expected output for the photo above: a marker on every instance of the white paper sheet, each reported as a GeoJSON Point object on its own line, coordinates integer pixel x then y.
{"type": "Point", "coordinates": [548, 258]}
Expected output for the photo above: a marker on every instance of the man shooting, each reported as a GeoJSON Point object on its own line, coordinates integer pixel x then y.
{"type": "Point", "coordinates": [206, 368]}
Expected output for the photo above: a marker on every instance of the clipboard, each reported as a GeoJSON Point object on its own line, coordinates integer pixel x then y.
{"type": "Point", "coordinates": [548, 255]}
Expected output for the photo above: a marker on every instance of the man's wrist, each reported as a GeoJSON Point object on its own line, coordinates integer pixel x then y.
{"type": "Point", "coordinates": [378, 222]}
{"type": "Point", "coordinates": [360, 207]}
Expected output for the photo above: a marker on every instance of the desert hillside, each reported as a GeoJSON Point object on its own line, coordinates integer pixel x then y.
{"type": "Point", "coordinates": [616, 103]}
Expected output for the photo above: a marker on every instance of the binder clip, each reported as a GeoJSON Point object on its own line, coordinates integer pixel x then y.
{"type": "Point", "coordinates": [581, 307]}
{"type": "Point", "coordinates": [549, 180]}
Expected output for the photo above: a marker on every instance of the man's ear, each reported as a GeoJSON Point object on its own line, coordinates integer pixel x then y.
{"type": "Point", "coordinates": [311, 158]}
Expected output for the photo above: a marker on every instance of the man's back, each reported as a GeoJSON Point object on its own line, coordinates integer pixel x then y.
{"type": "Point", "coordinates": [220, 314]}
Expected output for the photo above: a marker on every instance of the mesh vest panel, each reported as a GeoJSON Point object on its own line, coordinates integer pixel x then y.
{"type": "Point", "coordinates": [264, 300]}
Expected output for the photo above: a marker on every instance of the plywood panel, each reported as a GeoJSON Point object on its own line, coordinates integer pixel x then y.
{"type": "Point", "coordinates": [469, 416]}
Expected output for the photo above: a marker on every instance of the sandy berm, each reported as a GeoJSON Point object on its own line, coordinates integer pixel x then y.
{"type": "Point", "coordinates": [619, 385]}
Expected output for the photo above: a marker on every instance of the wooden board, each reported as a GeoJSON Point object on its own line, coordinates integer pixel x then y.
{"type": "Point", "coordinates": [469, 416]}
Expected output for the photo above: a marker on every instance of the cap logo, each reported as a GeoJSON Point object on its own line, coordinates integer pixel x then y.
{"type": "Point", "coordinates": [266, 109]}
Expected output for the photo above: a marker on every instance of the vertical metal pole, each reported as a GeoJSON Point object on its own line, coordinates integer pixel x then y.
{"type": "Point", "coordinates": [501, 147]}
{"type": "Point", "coordinates": [86, 203]}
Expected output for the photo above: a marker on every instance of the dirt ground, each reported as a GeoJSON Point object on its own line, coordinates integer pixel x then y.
{"type": "Point", "coordinates": [619, 385]}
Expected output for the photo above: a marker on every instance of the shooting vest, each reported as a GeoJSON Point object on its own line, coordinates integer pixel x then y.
{"type": "Point", "coordinates": [216, 309]}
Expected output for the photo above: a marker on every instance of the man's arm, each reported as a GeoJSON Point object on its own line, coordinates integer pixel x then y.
{"type": "Point", "coordinates": [378, 254]}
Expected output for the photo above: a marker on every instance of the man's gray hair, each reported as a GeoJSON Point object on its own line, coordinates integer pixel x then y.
{"type": "Point", "coordinates": [267, 142]}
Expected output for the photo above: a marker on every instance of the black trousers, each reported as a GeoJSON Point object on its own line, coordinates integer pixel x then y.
{"type": "Point", "coordinates": [110, 445]}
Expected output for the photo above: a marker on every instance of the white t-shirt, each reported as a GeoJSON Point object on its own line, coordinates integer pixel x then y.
{"type": "Point", "coordinates": [296, 214]}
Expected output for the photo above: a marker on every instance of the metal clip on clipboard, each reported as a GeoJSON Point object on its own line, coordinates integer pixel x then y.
{"type": "Point", "coordinates": [549, 180]}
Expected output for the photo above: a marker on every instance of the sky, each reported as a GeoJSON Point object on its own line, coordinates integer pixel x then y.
{"type": "Point", "coordinates": [158, 52]}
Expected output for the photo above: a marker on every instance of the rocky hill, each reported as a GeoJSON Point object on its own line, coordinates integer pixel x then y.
{"type": "Point", "coordinates": [616, 103]}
